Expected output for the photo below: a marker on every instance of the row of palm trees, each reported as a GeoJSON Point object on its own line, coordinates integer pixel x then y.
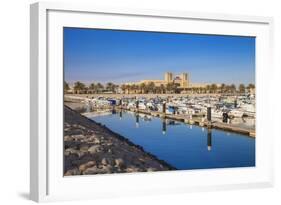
{"type": "Point", "coordinates": [150, 88]}
{"type": "Point", "coordinates": [94, 88]}
{"type": "Point", "coordinates": [175, 88]}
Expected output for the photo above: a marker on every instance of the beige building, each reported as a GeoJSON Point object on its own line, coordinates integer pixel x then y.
{"type": "Point", "coordinates": [182, 80]}
{"type": "Point", "coordinates": [168, 77]}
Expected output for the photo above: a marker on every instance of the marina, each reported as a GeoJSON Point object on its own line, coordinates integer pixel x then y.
{"type": "Point", "coordinates": [177, 131]}
{"type": "Point", "coordinates": [230, 113]}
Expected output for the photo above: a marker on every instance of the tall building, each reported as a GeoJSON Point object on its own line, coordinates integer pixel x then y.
{"type": "Point", "coordinates": [184, 80]}
{"type": "Point", "coordinates": [168, 77]}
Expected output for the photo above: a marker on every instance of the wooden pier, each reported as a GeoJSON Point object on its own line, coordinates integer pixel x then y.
{"type": "Point", "coordinates": [195, 120]}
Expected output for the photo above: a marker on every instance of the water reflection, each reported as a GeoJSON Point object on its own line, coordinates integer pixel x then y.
{"type": "Point", "coordinates": [120, 114]}
{"type": "Point", "coordinates": [184, 146]}
{"type": "Point", "coordinates": [88, 107]}
{"type": "Point", "coordinates": [113, 111]}
{"type": "Point", "coordinates": [164, 126]}
{"type": "Point", "coordinates": [137, 120]}
{"type": "Point", "coordinates": [209, 139]}
{"type": "Point", "coordinates": [147, 118]}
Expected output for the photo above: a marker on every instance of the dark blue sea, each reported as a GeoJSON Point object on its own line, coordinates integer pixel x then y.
{"type": "Point", "coordinates": [181, 145]}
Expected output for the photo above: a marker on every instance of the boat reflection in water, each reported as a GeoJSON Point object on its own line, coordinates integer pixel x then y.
{"type": "Point", "coordinates": [209, 139]}
{"type": "Point", "coordinates": [120, 114]}
{"type": "Point", "coordinates": [137, 120]}
{"type": "Point", "coordinates": [164, 126]}
{"type": "Point", "coordinates": [184, 146]}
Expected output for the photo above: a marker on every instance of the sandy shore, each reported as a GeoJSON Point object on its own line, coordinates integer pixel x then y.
{"type": "Point", "coordinates": [90, 148]}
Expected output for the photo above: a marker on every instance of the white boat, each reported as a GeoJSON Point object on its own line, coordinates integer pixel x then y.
{"type": "Point", "coordinates": [236, 113]}
{"type": "Point", "coordinates": [142, 106]}
{"type": "Point", "coordinates": [249, 109]}
{"type": "Point", "coordinates": [131, 105]}
{"type": "Point", "coordinates": [216, 113]}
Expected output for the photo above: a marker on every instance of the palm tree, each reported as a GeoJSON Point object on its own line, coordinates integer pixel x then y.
{"type": "Point", "coordinates": [127, 88]}
{"type": "Point", "coordinates": [123, 88]}
{"type": "Point", "coordinates": [227, 88]}
{"type": "Point", "coordinates": [203, 89]}
{"type": "Point", "coordinates": [242, 88]}
{"type": "Point", "coordinates": [134, 88]}
{"type": "Point", "coordinates": [110, 87]}
{"type": "Point", "coordinates": [92, 88]}
{"type": "Point", "coordinates": [65, 86]}
{"type": "Point", "coordinates": [142, 87]}
{"type": "Point", "coordinates": [87, 90]}
{"type": "Point", "coordinates": [200, 90]}
{"type": "Point", "coordinates": [169, 87]}
{"type": "Point", "coordinates": [162, 88]}
{"type": "Point", "coordinates": [100, 87]}
{"type": "Point", "coordinates": [151, 87]}
{"type": "Point", "coordinates": [78, 87]}
{"type": "Point", "coordinates": [233, 88]}
{"type": "Point", "coordinates": [208, 88]}
{"type": "Point", "coordinates": [250, 87]}
{"type": "Point", "coordinates": [175, 87]}
{"type": "Point", "coordinates": [214, 88]}
{"type": "Point", "coordinates": [222, 88]}
{"type": "Point", "coordinates": [137, 88]}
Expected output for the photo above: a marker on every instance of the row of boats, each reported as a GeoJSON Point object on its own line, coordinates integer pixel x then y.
{"type": "Point", "coordinates": [235, 106]}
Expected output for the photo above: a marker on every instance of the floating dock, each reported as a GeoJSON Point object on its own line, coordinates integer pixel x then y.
{"type": "Point", "coordinates": [195, 120]}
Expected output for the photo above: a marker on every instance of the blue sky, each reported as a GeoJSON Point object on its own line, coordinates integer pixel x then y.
{"type": "Point", "coordinates": [94, 55]}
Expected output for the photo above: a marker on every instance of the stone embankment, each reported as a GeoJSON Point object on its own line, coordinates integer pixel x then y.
{"type": "Point", "coordinates": [91, 148]}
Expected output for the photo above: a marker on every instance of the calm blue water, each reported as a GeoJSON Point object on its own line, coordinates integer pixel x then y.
{"type": "Point", "coordinates": [181, 145]}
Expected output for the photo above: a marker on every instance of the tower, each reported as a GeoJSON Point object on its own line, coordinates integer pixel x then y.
{"type": "Point", "coordinates": [184, 80]}
{"type": "Point", "coordinates": [168, 77]}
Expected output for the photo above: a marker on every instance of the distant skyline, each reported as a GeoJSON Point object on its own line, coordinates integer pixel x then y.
{"type": "Point", "coordinates": [97, 55]}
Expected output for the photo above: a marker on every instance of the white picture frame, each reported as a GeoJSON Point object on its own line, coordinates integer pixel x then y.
{"type": "Point", "coordinates": [46, 179]}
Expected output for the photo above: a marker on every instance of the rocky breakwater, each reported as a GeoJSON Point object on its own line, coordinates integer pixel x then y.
{"type": "Point", "coordinates": [90, 148]}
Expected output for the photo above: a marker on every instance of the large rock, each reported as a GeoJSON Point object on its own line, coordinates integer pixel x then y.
{"type": "Point", "coordinates": [67, 138]}
{"type": "Point", "coordinates": [94, 149]}
{"type": "Point", "coordinates": [120, 163]}
{"type": "Point", "coordinates": [97, 141]}
{"type": "Point", "coordinates": [85, 166]}
{"type": "Point", "coordinates": [78, 137]}
{"type": "Point", "coordinates": [84, 148]}
{"type": "Point", "coordinates": [132, 169]}
{"type": "Point", "coordinates": [71, 150]}
{"type": "Point", "coordinates": [71, 172]}
{"type": "Point", "coordinates": [151, 169]}
{"type": "Point", "coordinates": [104, 161]}
{"type": "Point", "coordinates": [96, 170]}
